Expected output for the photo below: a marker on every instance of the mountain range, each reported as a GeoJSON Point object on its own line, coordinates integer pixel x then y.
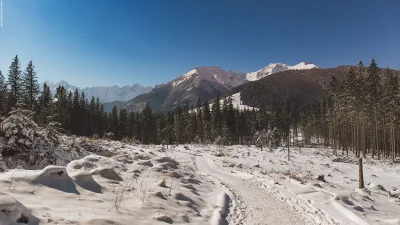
{"type": "Point", "coordinates": [105, 93]}
{"type": "Point", "coordinates": [202, 82]}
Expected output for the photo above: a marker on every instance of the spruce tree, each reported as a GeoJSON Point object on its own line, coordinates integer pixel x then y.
{"type": "Point", "coordinates": [76, 114]}
{"type": "Point", "coordinates": [390, 110]}
{"type": "Point", "coordinates": [131, 125]}
{"type": "Point", "coordinates": [216, 117]}
{"type": "Point", "coordinates": [83, 115]}
{"type": "Point", "coordinates": [45, 108]}
{"type": "Point", "coordinates": [373, 84]}
{"type": "Point", "coordinates": [114, 121]}
{"type": "Point", "coordinates": [15, 82]}
{"type": "Point", "coordinates": [199, 115]}
{"type": "Point", "coordinates": [30, 86]}
{"type": "Point", "coordinates": [148, 126]}
{"type": "Point", "coordinates": [61, 106]}
{"type": "Point", "coordinates": [207, 128]}
{"type": "Point", "coordinates": [3, 95]}
{"type": "Point", "coordinates": [123, 123]}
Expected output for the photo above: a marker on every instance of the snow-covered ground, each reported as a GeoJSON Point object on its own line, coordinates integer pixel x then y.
{"type": "Point", "coordinates": [333, 198]}
{"type": "Point", "coordinates": [135, 185]}
{"type": "Point", "coordinates": [237, 103]}
{"type": "Point", "coordinates": [195, 184]}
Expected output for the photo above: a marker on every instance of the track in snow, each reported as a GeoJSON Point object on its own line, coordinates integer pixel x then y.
{"type": "Point", "coordinates": [251, 205]}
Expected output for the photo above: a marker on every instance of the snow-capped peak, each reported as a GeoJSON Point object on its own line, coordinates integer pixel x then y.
{"type": "Point", "coordinates": [215, 74]}
{"type": "Point", "coordinates": [277, 67]}
{"type": "Point", "coordinates": [303, 66]}
{"type": "Point", "coordinates": [184, 77]}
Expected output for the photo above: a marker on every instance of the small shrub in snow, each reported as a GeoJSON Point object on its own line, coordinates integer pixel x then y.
{"type": "Point", "coordinates": [261, 138]}
{"type": "Point", "coordinates": [197, 140]}
{"type": "Point", "coordinates": [219, 141]}
{"type": "Point", "coordinates": [109, 136]}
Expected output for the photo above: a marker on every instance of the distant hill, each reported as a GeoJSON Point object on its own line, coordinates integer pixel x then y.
{"type": "Point", "coordinates": [105, 93]}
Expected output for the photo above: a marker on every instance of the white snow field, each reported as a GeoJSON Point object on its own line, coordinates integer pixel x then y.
{"type": "Point", "coordinates": [318, 185]}
{"type": "Point", "coordinates": [196, 184]}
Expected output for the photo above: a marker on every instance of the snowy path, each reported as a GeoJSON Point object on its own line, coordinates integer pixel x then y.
{"type": "Point", "coordinates": [251, 205]}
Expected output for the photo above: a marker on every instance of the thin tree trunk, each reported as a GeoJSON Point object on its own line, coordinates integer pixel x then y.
{"type": "Point", "coordinates": [288, 142]}
{"type": "Point", "coordinates": [360, 174]}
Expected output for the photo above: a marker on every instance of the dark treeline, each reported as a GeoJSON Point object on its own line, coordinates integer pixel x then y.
{"type": "Point", "coordinates": [359, 113]}
{"type": "Point", "coordinates": [219, 122]}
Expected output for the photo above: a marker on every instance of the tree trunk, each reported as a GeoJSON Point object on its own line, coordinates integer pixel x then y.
{"type": "Point", "coordinates": [360, 174]}
{"type": "Point", "coordinates": [288, 143]}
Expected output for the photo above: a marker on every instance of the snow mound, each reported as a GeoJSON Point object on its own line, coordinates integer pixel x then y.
{"type": "Point", "coordinates": [107, 173]}
{"type": "Point", "coordinates": [13, 212]}
{"type": "Point", "coordinates": [96, 165]}
{"type": "Point", "coordinates": [85, 180]}
{"type": "Point", "coordinates": [55, 177]}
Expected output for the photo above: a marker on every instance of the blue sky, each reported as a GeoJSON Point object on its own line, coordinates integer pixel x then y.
{"type": "Point", "coordinates": [105, 42]}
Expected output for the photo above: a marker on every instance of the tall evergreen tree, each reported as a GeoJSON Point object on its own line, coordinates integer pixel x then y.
{"type": "Point", "coordinates": [148, 124]}
{"type": "Point", "coordinates": [123, 123]}
{"type": "Point", "coordinates": [373, 85]}
{"type": "Point", "coordinates": [15, 82]}
{"type": "Point", "coordinates": [199, 119]}
{"type": "Point", "coordinates": [216, 117]}
{"type": "Point", "coordinates": [114, 121]}
{"type": "Point", "coordinates": [30, 86]}
{"type": "Point", "coordinates": [3, 95]}
{"type": "Point", "coordinates": [76, 114]}
{"type": "Point", "coordinates": [45, 108]}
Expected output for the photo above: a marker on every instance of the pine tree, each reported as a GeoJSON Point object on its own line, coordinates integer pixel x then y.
{"type": "Point", "coordinates": [206, 122]}
{"type": "Point", "coordinates": [123, 122]}
{"type": "Point", "coordinates": [131, 125]}
{"type": "Point", "coordinates": [15, 82]}
{"type": "Point", "coordinates": [76, 114]}
{"type": "Point", "coordinates": [61, 107]}
{"type": "Point", "coordinates": [101, 118]}
{"type": "Point", "coordinates": [92, 117]}
{"type": "Point", "coordinates": [30, 86]}
{"type": "Point", "coordinates": [114, 122]}
{"type": "Point", "coordinates": [69, 111]}
{"type": "Point", "coordinates": [390, 110]}
{"type": "Point", "coordinates": [3, 95]}
{"type": "Point", "coordinates": [230, 121]}
{"type": "Point", "coordinates": [83, 115]}
{"type": "Point", "coordinates": [373, 84]}
{"type": "Point", "coordinates": [45, 108]}
{"type": "Point", "coordinates": [199, 115]}
{"type": "Point", "coordinates": [216, 117]}
{"type": "Point", "coordinates": [148, 126]}
{"type": "Point", "coordinates": [3, 84]}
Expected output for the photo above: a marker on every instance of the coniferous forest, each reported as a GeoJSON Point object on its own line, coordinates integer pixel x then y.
{"type": "Point", "coordinates": [359, 113]}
